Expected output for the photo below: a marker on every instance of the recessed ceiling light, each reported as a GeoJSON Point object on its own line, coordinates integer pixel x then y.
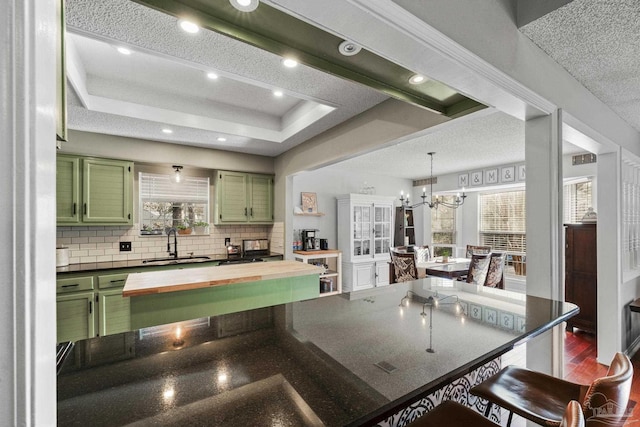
{"type": "Point", "coordinates": [348, 48]}
{"type": "Point", "coordinates": [212, 75]}
{"type": "Point", "coordinates": [167, 130]}
{"type": "Point", "coordinates": [123, 50]}
{"type": "Point", "coordinates": [289, 63]}
{"type": "Point", "coordinates": [221, 139]}
{"type": "Point", "coordinates": [245, 5]}
{"type": "Point", "coordinates": [416, 79]}
{"type": "Point", "coordinates": [188, 26]}
{"type": "Point", "coordinates": [278, 93]}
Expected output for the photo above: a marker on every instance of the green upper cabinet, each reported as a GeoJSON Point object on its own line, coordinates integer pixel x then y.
{"type": "Point", "coordinates": [243, 198]}
{"type": "Point", "coordinates": [100, 195]}
{"type": "Point", "coordinates": [260, 198]}
{"type": "Point", "coordinates": [67, 190]}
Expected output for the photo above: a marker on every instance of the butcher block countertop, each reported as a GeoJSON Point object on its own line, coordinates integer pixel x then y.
{"type": "Point", "coordinates": [156, 282]}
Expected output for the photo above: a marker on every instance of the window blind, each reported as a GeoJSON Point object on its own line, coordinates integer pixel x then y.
{"type": "Point", "coordinates": [577, 199]}
{"type": "Point", "coordinates": [503, 221]}
{"type": "Point", "coordinates": [162, 188]}
{"type": "Point", "coordinates": [443, 223]}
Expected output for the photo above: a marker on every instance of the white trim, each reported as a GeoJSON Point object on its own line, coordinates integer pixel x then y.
{"type": "Point", "coordinates": [27, 183]}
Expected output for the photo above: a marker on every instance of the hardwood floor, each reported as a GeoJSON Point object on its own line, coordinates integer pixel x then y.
{"type": "Point", "coordinates": [580, 366]}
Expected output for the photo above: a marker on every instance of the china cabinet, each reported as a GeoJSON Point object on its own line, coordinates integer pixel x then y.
{"type": "Point", "coordinates": [365, 234]}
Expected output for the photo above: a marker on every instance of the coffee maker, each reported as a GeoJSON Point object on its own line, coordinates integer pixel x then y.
{"type": "Point", "coordinates": [309, 240]}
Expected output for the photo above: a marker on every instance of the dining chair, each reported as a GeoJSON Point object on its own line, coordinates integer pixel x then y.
{"type": "Point", "coordinates": [478, 250]}
{"type": "Point", "coordinates": [495, 273]}
{"type": "Point", "coordinates": [478, 269]}
{"type": "Point", "coordinates": [453, 414]}
{"type": "Point", "coordinates": [404, 265]}
{"type": "Point", "coordinates": [542, 398]}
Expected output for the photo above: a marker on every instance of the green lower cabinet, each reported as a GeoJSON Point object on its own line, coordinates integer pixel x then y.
{"type": "Point", "coordinates": [115, 315]}
{"type": "Point", "coordinates": [75, 316]}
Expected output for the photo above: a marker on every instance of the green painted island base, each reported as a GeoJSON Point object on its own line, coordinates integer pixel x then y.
{"type": "Point", "coordinates": [169, 307]}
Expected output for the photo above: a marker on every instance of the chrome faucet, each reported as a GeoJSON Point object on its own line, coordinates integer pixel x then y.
{"type": "Point", "coordinates": [174, 254]}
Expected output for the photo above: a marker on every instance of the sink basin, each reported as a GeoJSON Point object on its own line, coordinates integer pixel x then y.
{"type": "Point", "coordinates": [179, 260]}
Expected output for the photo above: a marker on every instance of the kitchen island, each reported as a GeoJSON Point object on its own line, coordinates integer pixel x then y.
{"type": "Point", "coordinates": [160, 297]}
{"type": "Point", "coordinates": [351, 359]}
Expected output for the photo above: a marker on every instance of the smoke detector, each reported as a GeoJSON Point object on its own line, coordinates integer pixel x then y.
{"type": "Point", "coordinates": [348, 48]}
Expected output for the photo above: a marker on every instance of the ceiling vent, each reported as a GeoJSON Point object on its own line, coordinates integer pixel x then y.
{"type": "Point", "coordinates": [583, 159]}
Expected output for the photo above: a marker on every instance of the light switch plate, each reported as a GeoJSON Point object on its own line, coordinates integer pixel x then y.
{"type": "Point", "coordinates": [125, 246]}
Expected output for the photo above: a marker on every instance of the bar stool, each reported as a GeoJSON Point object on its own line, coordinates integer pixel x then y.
{"type": "Point", "coordinates": [542, 398]}
{"type": "Point", "coordinates": [453, 414]}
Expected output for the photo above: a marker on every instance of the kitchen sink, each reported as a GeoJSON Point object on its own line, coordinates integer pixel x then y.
{"type": "Point", "coordinates": [179, 260]}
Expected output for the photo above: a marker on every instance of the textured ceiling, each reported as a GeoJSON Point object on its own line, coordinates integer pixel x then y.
{"type": "Point", "coordinates": [490, 138]}
{"type": "Point", "coordinates": [164, 80]}
{"type": "Point", "coordinates": [597, 42]}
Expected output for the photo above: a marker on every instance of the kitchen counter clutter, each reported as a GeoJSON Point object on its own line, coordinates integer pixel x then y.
{"type": "Point", "coordinates": [350, 359]}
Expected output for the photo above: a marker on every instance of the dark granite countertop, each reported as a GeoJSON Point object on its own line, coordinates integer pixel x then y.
{"type": "Point", "coordinates": [351, 359]}
{"type": "Point", "coordinates": [137, 263]}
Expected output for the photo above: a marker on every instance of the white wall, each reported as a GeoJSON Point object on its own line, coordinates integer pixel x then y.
{"type": "Point", "coordinates": [327, 184]}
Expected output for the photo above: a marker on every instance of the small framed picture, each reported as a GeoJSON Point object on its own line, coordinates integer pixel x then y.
{"type": "Point", "coordinates": [476, 178]}
{"type": "Point", "coordinates": [463, 180]}
{"type": "Point", "coordinates": [491, 176]}
{"type": "Point", "coordinates": [508, 174]}
{"type": "Point", "coordinates": [309, 202]}
{"type": "Point", "coordinates": [522, 173]}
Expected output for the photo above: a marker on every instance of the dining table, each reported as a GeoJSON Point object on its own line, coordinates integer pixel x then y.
{"type": "Point", "coordinates": [452, 269]}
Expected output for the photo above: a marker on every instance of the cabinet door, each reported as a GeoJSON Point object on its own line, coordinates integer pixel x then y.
{"type": "Point", "coordinates": [115, 313]}
{"type": "Point", "coordinates": [106, 192]}
{"type": "Point", "coordinates": [382, 229]}
{"type": "Point", "coordinates": [361, 223]}
{"type": "Point", "coordinates": [382, 273]}
{"type": "Point", "coordinates": [75, 316]}
{"type": "Point", "coordinates": [231, 197]}
{"type": "Point", "coordinates": [363, 276]}
{"type": "Point", "coordinates": [260, 198]}
{"type": "Point", "coordinates": [67, 190]}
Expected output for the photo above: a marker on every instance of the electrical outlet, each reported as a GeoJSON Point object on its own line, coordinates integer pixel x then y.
{"type": "Point", "coordinates": [125, 246]}
{"type": "Point", "coordinates": [227, 241]}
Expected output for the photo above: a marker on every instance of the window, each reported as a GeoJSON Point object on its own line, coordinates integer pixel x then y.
{"type": "Point", "coordinates": [503, 227]}
{"type": "Point", "coordinates": [165, 204]}
{"type": "Point", "coordinates": [443, 228]}
{"type": "Point", "coordinates": [577, 199]}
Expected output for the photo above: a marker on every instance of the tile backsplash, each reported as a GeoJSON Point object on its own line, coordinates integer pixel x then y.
{"type": "Point", "coordinates": [100, 244]}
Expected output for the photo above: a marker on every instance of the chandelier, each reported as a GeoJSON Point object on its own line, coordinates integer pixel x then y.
{"type": "Point", "coordinates": [433, 202]}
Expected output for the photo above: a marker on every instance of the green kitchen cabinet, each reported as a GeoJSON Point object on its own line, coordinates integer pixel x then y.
{"type": "Point", "coordinates": [115, 315]}
{"type": "Point", "coordinates": [75, 316]}
{"type": "Point", "coordinates": [92, 191]}
{"type": "Point", "coordinates": [243, 198]}
{"type": "Point", "coordinates": [67, 190]}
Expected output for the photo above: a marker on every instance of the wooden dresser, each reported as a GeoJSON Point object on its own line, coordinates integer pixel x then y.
{"type": "Point", "coordinates": [581, 276]}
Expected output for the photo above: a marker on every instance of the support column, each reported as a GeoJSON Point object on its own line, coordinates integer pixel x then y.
{"type": "Point", "coordinates": [543, 153]}
{"type": "Point", "coordinates": [609, 317]}
{"type": "Point", "coordinates": [27, 185]}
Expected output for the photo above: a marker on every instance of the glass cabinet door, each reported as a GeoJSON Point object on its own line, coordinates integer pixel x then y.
{"type": "Point", "coordinates": [361, 230]}
{"type": "Point", "coordinates": [382, 227]}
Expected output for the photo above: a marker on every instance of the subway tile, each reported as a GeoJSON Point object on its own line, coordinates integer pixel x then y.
{"type": "Point", "coordinates": [88, 233]}
{"type": "Point", "coordinates": [119, 257]}
{"type": "Point", "coordinates": [71, 233]}
{"type": "Point", "coordinates": [96, 239]}
{"type": "Point", "coordinates": [96, 252]}
{"type": "Point", "coordinates": [73, 260]}
{"type": "Point", "coordinates": [87, 259]}
{"type": "Point", "coordinates": [104, 233]}
{"type": "Point", "coordinates": [79, 253]}
{"type": "Point", "coordinates": [104, 258]}
{"type": "Point", "coordinates": [80, 240]}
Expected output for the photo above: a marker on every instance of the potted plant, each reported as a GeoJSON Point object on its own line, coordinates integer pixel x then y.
{"type": "Point", "coordinates": [184, 228]}
{"type": "Point", "coordinates": [200, 227]}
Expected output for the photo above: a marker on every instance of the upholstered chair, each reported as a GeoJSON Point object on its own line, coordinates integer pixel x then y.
{"type": "Point", "coordinates": [495, 273]}
{"type": "Point", "coordinates": [453, 414]}
{"type": "Point", "coordinates": [404, 265]}
{"type": "Point", "coordinates": [477, 250]}
{"type": "Point", "coordinates": [542, 398]}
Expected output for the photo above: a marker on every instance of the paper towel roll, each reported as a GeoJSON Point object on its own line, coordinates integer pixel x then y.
{"type": "Point", "coordinates": [62, 257]}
